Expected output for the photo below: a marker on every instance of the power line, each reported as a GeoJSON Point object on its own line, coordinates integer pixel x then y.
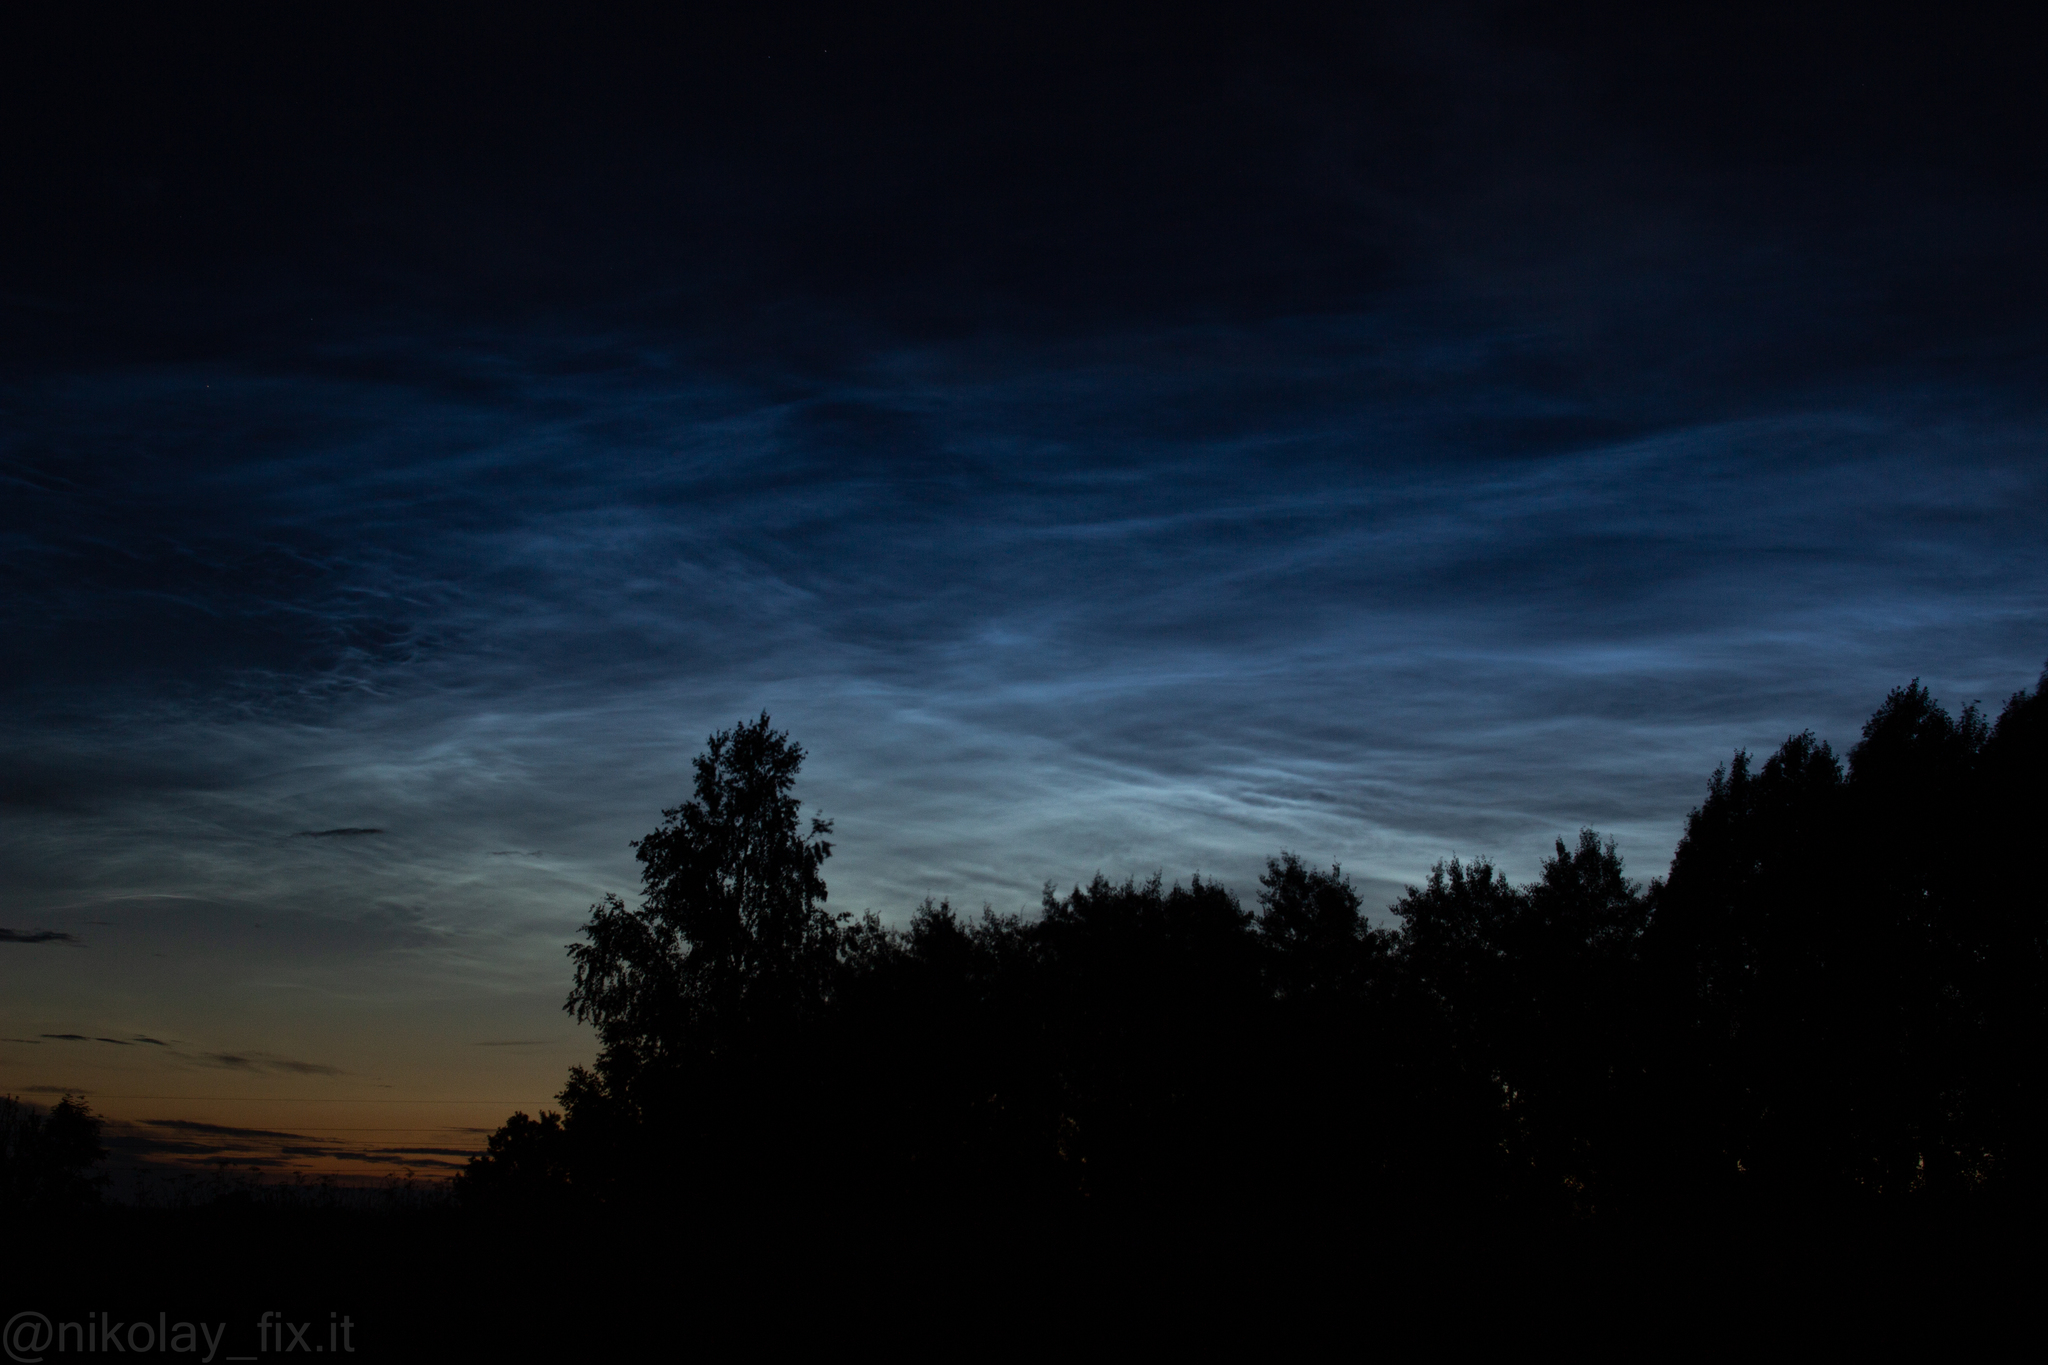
{"type": "Point", "coordinates": [287, 1099]}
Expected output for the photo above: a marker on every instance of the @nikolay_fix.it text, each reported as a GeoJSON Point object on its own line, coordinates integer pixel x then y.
{"type": "Point", "coordinates": [30, 1337]}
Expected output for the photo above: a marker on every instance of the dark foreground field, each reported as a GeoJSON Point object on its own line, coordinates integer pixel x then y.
{"type": "Point", "coordinates": [438, 1284]}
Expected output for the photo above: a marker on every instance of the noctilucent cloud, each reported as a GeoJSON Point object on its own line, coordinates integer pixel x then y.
{"type": "Point", "coordinates": [1106, 448]}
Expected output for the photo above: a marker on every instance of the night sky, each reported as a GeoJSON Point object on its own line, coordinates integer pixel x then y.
{"type": "Point", "coordinates": [1109, 439]}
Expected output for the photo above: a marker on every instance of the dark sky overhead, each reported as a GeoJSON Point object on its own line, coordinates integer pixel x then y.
{"type": "Point", "coordinates": [1109, 438]}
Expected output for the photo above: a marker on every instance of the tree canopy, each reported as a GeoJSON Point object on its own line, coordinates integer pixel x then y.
{"type": "Point", "coordinates": [731, 937]}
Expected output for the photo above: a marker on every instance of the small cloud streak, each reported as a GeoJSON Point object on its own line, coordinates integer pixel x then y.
{"type": "Point", "coordinates": [236, 1061]}
{"type": "Point", "coordinates": [35, 936]}
{"type": "Point", "coordinates": [175, 1149]}
{"type": "Point", "coordinates": [343, 833]}
{"type": "Point", "coordinates": [221, 1130]}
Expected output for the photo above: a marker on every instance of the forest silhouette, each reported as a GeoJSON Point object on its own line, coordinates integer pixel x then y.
{"type": "Point", "coordinates": [1835, 999]}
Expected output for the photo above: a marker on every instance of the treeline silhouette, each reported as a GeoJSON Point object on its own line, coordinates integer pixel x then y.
{"type": "Point", "coordinates": [1835, 998]}
{"type": "Point", "coordinates": [1801, 1073]}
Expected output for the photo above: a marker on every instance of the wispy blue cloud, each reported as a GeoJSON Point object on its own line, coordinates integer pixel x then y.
{"type": "Point", "coordinates": [1034, 614]}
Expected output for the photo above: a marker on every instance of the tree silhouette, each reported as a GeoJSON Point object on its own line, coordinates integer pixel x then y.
{"type": "Point", "coordinates": [2011, 918]}
{"type": "Point", "coordinates": [1318, 946]}
{"type": "Point", "coordinates": [526, 1165]}
{"type": "Point", "coordinates": [730, 937]}
{"type": "Point", "coordinates": [1330, 1078]}
{"type": "Point", "coordinates": [1147, 995]}
{"type": "Point", "coordinates": [1527, 1004]}
{"type": "Point", "coordinates": [1849, 961]}
{"type": "Point", "coordinates": [46, 1159]}
{"type": "Point", "coordinates": [701, 996]}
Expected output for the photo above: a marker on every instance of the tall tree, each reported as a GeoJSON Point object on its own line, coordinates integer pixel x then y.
{"type": "Point", "coordinates": [731, 939]}
{"type": "Point", "coordinates": [702, 996]}
{"type": "Point", "coordinates": [2013, 922]}
{"type": "Point", "coordinates": [1738, 950]}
